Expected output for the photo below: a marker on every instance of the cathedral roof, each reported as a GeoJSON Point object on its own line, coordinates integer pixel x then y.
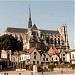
{"type": "Point", "coordinates": [21, 30]}
{"type": "Point", "coordinates": [34, 27]}
{"type": "Point", "coordinates": [49, 31]}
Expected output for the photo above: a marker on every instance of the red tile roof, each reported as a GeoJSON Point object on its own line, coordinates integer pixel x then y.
{"type": "Point", "coordinates": [31, 50]}
{"type": "Point", "coordinates": [53, 50]}
{"type": "Point", "coordinates": [16, 53]}
{"type": "Point", "coordinates": [3, 59]}
{"type": "Point", "coordinates": [72, 59]}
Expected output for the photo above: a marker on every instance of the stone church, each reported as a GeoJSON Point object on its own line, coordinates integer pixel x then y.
{"type": "Point", "coordinates": [32, 36]}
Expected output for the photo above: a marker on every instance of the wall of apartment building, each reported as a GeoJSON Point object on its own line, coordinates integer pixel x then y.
{"type": "Point", "coordinates": [35, 57]}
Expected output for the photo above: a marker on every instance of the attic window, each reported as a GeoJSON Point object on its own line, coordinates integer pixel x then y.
{"type": "Point", "coordinates": [34, 53]}
{"type": "Point", "coordinates": [63, 54]}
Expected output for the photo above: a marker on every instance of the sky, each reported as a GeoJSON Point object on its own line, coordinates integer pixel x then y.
{"type": "Point", "coordinates": [46, 14]}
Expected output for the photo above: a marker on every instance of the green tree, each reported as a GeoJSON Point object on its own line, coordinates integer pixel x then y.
{"type": "Point", "coordinates": [8, 42]}
{"type": "Point", "coordinates": [43, 47]}
{"type": "Point", "coordinates": [51, 67]}
{"type": "Point", "coordinates": [73, 66]}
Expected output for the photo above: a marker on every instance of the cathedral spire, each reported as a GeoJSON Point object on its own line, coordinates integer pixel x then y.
{"type": "Point", "coordinates": [30, 21]}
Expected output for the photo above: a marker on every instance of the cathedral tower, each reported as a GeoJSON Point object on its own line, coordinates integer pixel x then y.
{"type": "Point", "coordinates": [30, 21]}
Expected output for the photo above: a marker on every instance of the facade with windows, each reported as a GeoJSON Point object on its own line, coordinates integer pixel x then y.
{"type": "Point", "coordinates": [45, 59]}
{"type": "Point", "coordinates": [55, 59]}
{"type": "Point", "coordinates": [35, 57]}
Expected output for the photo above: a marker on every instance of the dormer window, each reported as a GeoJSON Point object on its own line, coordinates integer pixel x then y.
{"type": "Point", "coordinates": [35, 53]}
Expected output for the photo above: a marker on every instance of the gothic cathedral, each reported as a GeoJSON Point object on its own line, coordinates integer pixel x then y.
{"type": "Point", "coordinates": [32, 36]}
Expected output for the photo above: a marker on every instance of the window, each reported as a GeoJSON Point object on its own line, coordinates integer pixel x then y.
{"type": "Point", "coordinates": [52, 58]}
{"type": "Point", "coordinates": [13, 59]}
{"type": "Point", "coordinates": [43, 59]}
{"type": "Point", "coordinates": [37, 62]}
{"type": "Point", "coordinates": [33, 62]}
{"type": "Point", "coordinates": [56, 58]}
{"type": "Point", "coordinates": [34, 53]}
{"type": "Point", "coordinates": [44, 55]}
{"type": "Point", "coordinates": [16, 57]}
{"type": "Point", "coordinates": [72, 55]}
{"type": "Point", "coordinates": [63, 54]}
{"type": "Point", "coordinates": [22, 58]}
{"type": "Point", "coordinates": [46, 59]}
{"type": "Point", "coordinates": [63, 59]}
{"type": "Point", "coordinates": [34, 57]}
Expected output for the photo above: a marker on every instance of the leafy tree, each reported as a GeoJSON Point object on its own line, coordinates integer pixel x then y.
{"type": "Point", "coordinates": [73, 66]}
{"type": "Point", "coordinates": [43, 47]}
{"type": "Point", "coordinates": [8, 42]}
{"type": "Point", "coordinates": [51, 67]}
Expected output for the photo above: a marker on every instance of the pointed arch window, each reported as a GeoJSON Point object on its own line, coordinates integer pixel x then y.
{"type": "Point", "coordinates": [51, 41]}
{"type": "Point", "coordinates": [55, 41]}
{"type": "Point", "coordinates": [58, 41]}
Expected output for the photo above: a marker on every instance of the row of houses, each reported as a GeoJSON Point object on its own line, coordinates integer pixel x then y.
{"type": "Point", "coordinates": [34, 56]}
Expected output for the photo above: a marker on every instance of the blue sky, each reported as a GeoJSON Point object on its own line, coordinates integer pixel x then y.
{"type": "Point", "coordinates": [45, 14]}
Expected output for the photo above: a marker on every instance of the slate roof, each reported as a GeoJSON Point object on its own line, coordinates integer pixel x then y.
{"type": "Point", "coordinates": [21, 30]}
{"type": "Point", "coordinates": [34, 27]}
{"type": "Point", "coordinates": [49, 32]}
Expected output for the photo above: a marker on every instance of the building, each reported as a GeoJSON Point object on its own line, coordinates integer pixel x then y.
{"type": "Point", "coordinates": [54, 55]}
{"type": "Point", "coordinates": [35, 57]}
{"type": "Point", "coordinates": [20, 57]}
{"type": "Point", "coordinates": [32, 36]}
{"type": "Point", "coordinates": [5, 59]}
{"type": "Point", "coordinates": [72, 56]}
{"type": "Point", "coordinates": [45, 59]}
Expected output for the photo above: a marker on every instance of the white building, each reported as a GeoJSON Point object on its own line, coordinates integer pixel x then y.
{"type": "Point", "coordinates": [54, 55]}
{"type": "Point", "coordinates": [73, 56]}
{"type": "Point", "coordinates": [45, 59]}
{"type": "Point", "coordinates": [26, 58]}
{"type": "Point", "coordinates": [35, 57]}
{"type": "Point", "coordinates": [20, 57]}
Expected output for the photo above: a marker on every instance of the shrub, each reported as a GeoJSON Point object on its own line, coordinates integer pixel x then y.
{"type": "Point", "coordinates": [73, 66]}
{"type": "Point", "coordinates": [51, 67]}
{"type": "Point", "coordinates": [31, 68]}
{"type": "Point", "coordinates": [45, 69]}
{"type": "Point", "coordinates": [23, 65]}
{"type": "Point", "coordinates": [17, 65]}
{"type": "Point", "coordinates": [39, 69]}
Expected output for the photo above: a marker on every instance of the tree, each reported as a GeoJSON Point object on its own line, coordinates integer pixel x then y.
{"type": "Point", "coordinates": [43, 47]}
{"type": "Point", "coordinates": [8, 42]}
{"type": "Point", "coordinates": [51, 67]}
{"type": "Point", "coordinates": [73, 66]}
